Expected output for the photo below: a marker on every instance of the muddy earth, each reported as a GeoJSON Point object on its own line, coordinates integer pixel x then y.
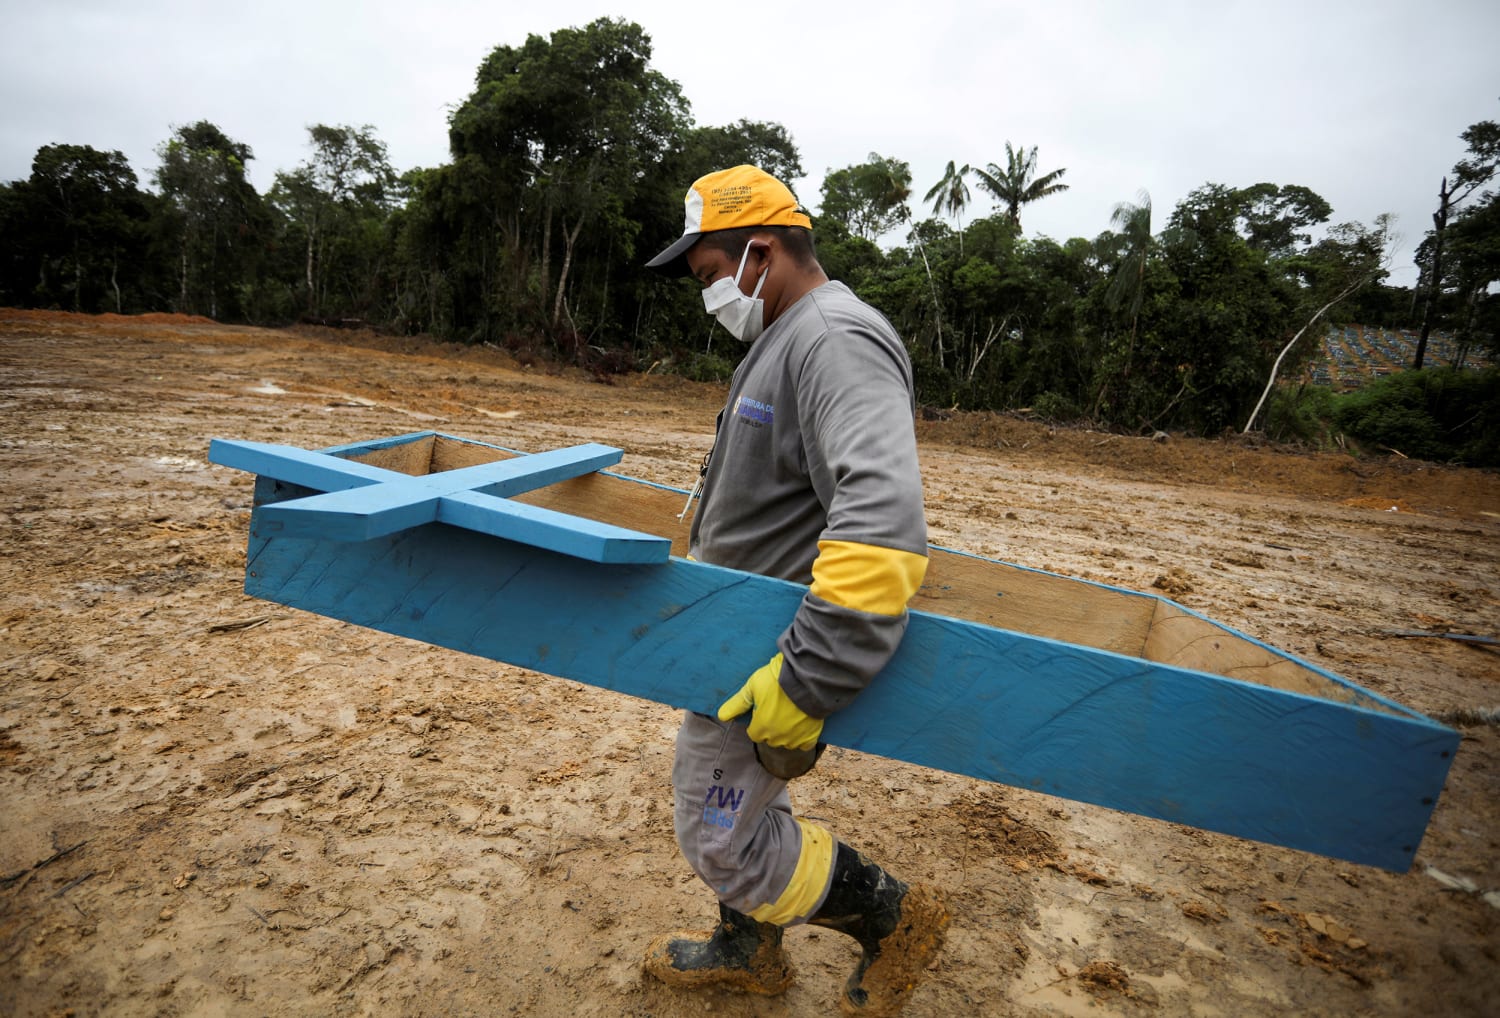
{"type": "Point", "coordinates": [216, 805]}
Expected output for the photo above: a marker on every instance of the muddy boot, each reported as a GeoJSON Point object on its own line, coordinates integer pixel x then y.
{"type": "Point", "coordinates": [899, 926]}
{"type": "Point", "coordinates": [737, 954]}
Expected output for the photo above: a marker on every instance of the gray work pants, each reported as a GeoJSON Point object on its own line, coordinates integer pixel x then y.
{"type": "Point", "coordinates": [733, 817]}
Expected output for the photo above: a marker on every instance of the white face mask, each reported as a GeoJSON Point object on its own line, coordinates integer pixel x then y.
{"type": "Point", "coordinates": [743, 316]}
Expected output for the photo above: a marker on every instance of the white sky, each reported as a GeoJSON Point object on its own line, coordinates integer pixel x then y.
{"type": "Point", "coordinates": [1360, 100]}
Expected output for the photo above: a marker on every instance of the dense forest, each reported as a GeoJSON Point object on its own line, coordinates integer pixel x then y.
{"type": "Point", "coordinates": [568, 162]}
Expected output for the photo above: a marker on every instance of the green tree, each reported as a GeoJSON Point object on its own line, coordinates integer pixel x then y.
{"type": "Point", "coordinates": [337, 202]}
{"type": "Point", "coordinates": [1016, 184]}
{"type": "Point", "coordinates": [558, 137]}
{"type": "Point", "coordinates": [1474, 250]}
{"type": "Point", "coordinates": [18, 269]}
{"type": "Point", "coordinates": [754, 142]}
{"type": "Point", "coordinates": [868, 199]}
{"type": "Point", "coordinates": [1469, 175]}
{"type": "Point", "coordinates": [431, 243]}
{"type": "Point", "coordinates": [864, 201]}
{"type": "Point", "coordinates": [1276, 219]}
{"type": "Point", "coordinates": [75, 231]}
{"type": "Point", "coordinates": [1061, 347]}
{"type": "Point", "coordinates": [216, 219]}
{"type": "Point", "coordinates": [1128, 248]}
{"type": "Point", "coordinates": [1213, 312]}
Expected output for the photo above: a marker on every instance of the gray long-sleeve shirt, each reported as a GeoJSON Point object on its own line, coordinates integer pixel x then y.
{"type": "Point", "coordinates": [816, 444]}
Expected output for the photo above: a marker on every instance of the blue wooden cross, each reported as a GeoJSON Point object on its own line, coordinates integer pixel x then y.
{"type": "Point", "coordinates": [361, 502]}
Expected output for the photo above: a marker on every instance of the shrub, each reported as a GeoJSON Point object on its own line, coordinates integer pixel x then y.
{"type": "Point", "coordinates": [1055, 409]}
{"type": "Point", "coordinates": [705, 367]}
{"type": "Point", "coordinates": [1435, 414]}
{"type": "Point", "coordinates": [1300, 414]}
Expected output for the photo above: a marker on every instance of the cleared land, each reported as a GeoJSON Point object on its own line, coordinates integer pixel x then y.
{"type": "Point", "coordinates": [216, 805]}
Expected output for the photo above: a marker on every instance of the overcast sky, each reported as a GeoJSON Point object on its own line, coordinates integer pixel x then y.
{"type": "Point", "coordinates": [1360, 100]}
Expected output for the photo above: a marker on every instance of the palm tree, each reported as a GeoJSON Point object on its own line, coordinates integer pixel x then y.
{"type": "Point", "coordinates": [1133, 224]}
{"type": "Point", "coordinates": [1132, 239]}
{"type": "Point", "coordinates": [1017, 184]}
{"type": "Point", "coordinates": [951, 194]}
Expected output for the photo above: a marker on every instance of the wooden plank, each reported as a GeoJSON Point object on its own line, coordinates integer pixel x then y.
{"type": "Point", "coordinates": [624, 502]}
{"type": "Point", "coordinates": [963, 586]}
{"type": "Point", "coordinates": [1188, 640]}
{"type": "Point", "coordinates": [1011, 597]}
{"type": "Point", "coordinates": [1241, 758]}
{"type": "Point", "coordinates": [410, 454]}
{"type": "Point", "coordinates": [355, 515]}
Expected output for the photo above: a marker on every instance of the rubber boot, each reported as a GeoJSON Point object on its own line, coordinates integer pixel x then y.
{"type": "Point", "coordinates": [737, 954]}
{"type": "Point", "coordinates": [900, 928]}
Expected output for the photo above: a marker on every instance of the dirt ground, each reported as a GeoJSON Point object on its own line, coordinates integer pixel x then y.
{"type": "Point", "coordinates": [215, 805]}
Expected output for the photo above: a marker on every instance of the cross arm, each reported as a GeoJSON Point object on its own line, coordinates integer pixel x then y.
{"type": "Point", "coordinates": [359, 502]}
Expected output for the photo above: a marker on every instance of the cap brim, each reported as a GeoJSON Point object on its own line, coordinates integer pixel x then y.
{"type": "Point", "coordinates": [671, 261]}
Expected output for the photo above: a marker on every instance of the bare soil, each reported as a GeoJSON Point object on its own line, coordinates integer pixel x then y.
{"type": "Point", "coordinates": [214, 805]}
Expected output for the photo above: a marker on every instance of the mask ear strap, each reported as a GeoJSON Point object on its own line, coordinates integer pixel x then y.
{"type": "Point", "coordinates": [744, 255]}
{"type": "Point", "coordinates": [760, 282]}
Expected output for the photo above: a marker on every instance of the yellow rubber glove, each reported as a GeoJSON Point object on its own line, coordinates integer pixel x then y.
{"type": "Point", "coordinates": [777, 721]}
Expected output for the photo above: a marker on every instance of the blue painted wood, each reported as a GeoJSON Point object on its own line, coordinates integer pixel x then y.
{"type": "Point", "coordinates": [316, 470]}
{"type": "Point", "coordinates": [1346, 780]}
{"type": "Point", "coordinates": [360, 502]}
{"type": "Point", "coordinates": [1183, 746]}
{"type": "Point", "coordinates": [358, 514]}
{"type": "Point", "coordinates": [554, 531]}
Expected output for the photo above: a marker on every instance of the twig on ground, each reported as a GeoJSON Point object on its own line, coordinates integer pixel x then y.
{"type": "Point", "coordinates": [242, 624]}
{"type": "Point", "coordinates": [11, 878]}
{"type": "Point", "coordinates": [1488, 641]}
{"type": "Point", "coordinates": [65, 888]}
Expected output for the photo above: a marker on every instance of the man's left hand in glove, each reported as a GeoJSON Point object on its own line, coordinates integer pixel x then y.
{"type": "Point", "coordinates": [786, 737]}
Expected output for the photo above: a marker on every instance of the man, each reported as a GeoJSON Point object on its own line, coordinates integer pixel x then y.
{"type": "Point", "coordinates": [812, 478]}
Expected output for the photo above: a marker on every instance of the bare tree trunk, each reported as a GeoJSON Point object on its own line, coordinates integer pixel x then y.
{"type": "Point", "coordinates": [213, 276]}
{"type": "Point", "coordinates": [1293, 342]}
{"type": "Point", "coordinates": [937, 308]}
{"type": "Point", "coordinates": [993, 333]}
{"type": "Point", "coordinates": [569, 240]}
{"type": "Point", "coordinates": [311, 291]}
{"type": "Point", "coordinates": [547, 254]}
{"type": "Point", "coordinates": [114, 281]}
{"type": "Point", "coordinates": [1434, 283]}
{"type": "Point", "coordinates": [1466, 334]}
{"type": "Point", "coordinates": [1135, 314]}
{"type": "Point", "coordinates": [604, 293]}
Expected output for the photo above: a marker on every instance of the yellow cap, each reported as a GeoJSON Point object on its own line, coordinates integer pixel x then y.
{"type": "Point", "coordinates": [728, 200]}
